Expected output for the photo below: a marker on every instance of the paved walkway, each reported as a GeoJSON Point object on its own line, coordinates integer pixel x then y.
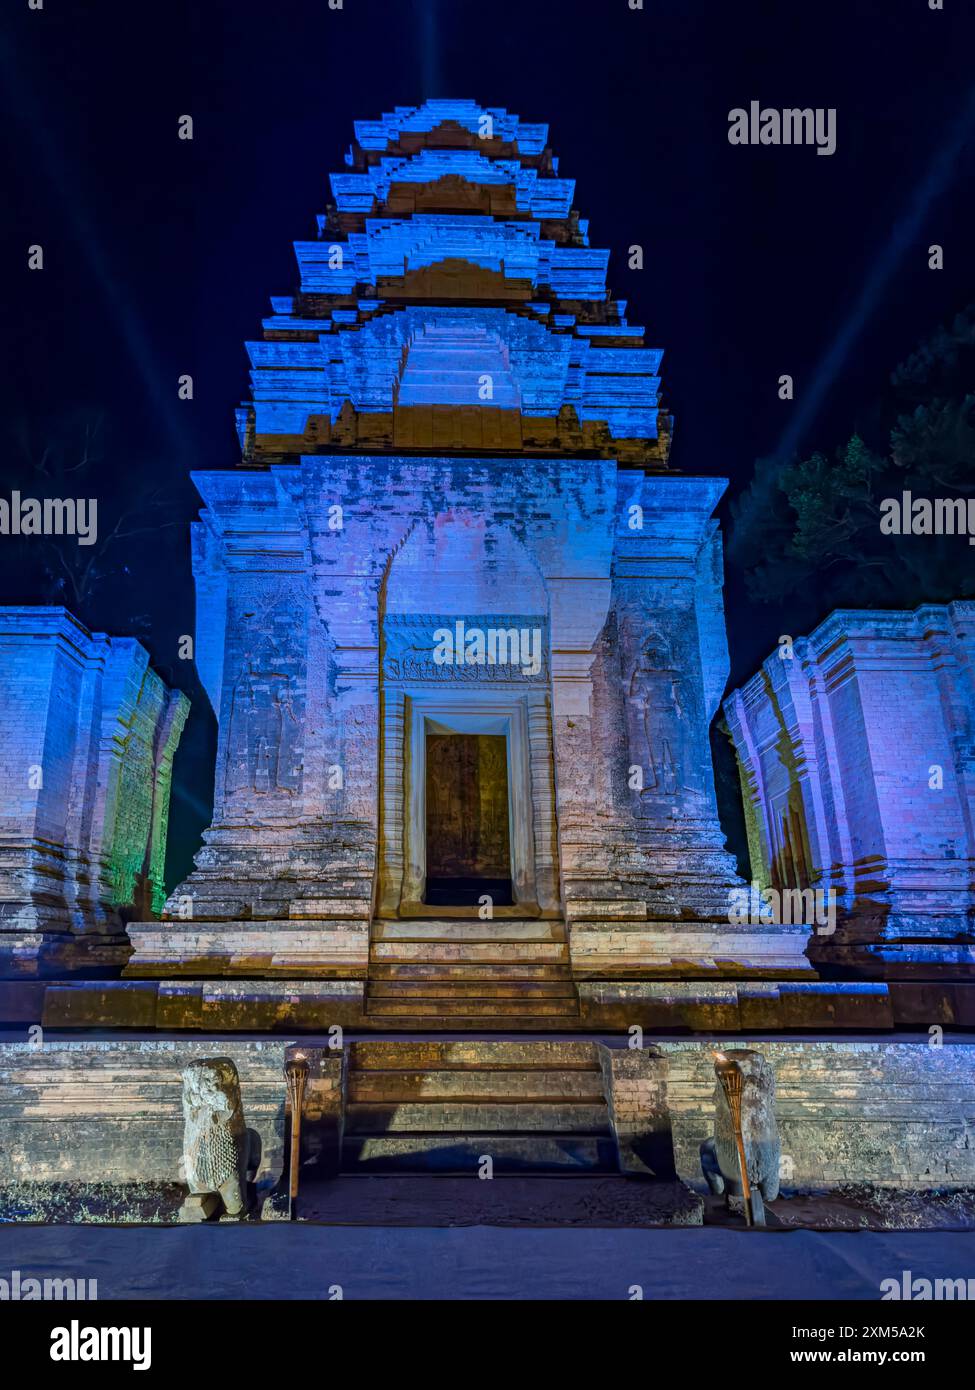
{"type": "Point", "coordinates": [371, 1262]}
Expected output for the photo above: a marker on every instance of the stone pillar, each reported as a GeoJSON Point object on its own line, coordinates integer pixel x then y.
{"type": "Point", "coordinates": [650, 892]}
{"type": "Point", "coordinates": [635, 1085]}
{"type": "Point", "coordinates": [347, 553]}
{"type": "Point", "coordinates": [88, 735]}
{"type": "Point", "coordinates": [284, 881]}
{"type": "Point", "coordinates": [578, 571]}
{"type": "Point", "coordinates": [252, 644]}
{"type": "Point", "coordinates": [664, 663]}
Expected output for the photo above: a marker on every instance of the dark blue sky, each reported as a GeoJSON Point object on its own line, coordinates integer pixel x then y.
{"type": "Point", "coordinates": [161, 254]}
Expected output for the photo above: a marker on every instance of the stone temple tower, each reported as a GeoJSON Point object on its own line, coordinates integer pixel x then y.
{"type": "Point", "coordinates": [460, 621]}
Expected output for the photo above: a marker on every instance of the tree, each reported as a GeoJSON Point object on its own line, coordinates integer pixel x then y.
{"type": "Point", "coordinates": [808, 530]}
{"type": "Point", "coordinates": [72, 461]}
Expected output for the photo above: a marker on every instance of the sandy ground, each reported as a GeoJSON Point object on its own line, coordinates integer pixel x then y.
{"type": "Point", "coordinates": [417, 1200]}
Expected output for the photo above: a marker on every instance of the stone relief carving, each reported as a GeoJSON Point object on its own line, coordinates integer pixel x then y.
{"type": "Point", "coordinates": [263, 724]}
{"type": "Point", "coordinates": [409, 644]}
{"type": "Point", "coordinates": [656, 717]}
{"type": "Point", "coordinates": [264, 744]}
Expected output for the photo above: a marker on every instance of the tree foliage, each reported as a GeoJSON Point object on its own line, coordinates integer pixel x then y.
{"type": "Point", "coordinates": [101, 583]}
{"type": "Point", "coordinates": [811, 527]}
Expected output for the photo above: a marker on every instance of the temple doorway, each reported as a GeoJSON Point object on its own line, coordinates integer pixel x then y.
{"type": "Point", "coordinates": [493, 802]}
{"type": "Point", "coordinates": [468, 841]}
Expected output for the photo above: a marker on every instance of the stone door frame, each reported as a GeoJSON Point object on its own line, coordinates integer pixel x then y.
{"type": "Point", "coordinates": [408, 714]}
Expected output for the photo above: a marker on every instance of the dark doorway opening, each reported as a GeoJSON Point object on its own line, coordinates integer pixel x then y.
{"type": "Point", "coordinates": [468, 840]}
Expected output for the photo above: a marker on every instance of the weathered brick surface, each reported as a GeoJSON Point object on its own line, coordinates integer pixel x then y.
{"type": "Point", "coordinates": [704, 1005]}
{"type": "Point", "coordinates": [484, 446]}
{"type": "Point", "coordinates": [635, 1081]}
{"type": "Point", "coordinates": [222, 1005]}
{"type": "Point", "coordinates": [112, 1112]}
{"type": "Point", "coordinates": [87, 738]}
{"type": "Point", "coordinates": [892, 1113]}
{"type": "Point", "coordinates": [858, 772]}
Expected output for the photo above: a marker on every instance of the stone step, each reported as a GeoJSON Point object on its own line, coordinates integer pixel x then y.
{"type": "Point", "coordinates": [472, 989]}
{"type": "Point", "coordinates": [474, 1085]}
{"type": "Point", "coordinates": [461, 1153]}
{"type": "Point", "coordinates": [449, 929]}
{"type": "Point", "coordinates": [466, 1117]}
{"type": "Point", "coordinates": [474, 952]}
{"type": "Point", "coordinates": [471, 1008]}
{"type": "Point", "coordinates": [488, 972]}
{"type": "Point", "coordinates": [482, 1024]}
{"type": "Point", "coordinates": [396, 1054]}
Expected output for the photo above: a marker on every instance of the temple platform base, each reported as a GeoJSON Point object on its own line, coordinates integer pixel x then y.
{"type": "Point", "coordinates": [313, 1006]}
{"type": "Point", "coordinates": [890, 1114]}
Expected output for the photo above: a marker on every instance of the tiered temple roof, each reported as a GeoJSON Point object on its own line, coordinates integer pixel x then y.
{"type": "Point", "coordinates": [452, 302]}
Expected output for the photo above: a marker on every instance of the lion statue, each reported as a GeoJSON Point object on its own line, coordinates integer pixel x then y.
{"type": "Point", "coordinates": [216, 1143]}
{"type": "Point", "coordinates": [719, 1156]}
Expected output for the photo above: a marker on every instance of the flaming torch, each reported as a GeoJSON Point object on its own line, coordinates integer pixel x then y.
{"type": "Point", "coordinates": [296, 1075]}
{"type": "Point", "coordinates": [732, 1079]}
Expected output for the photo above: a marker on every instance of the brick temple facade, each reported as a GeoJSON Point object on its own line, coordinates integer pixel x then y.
{"type": "Point", "coordinates": [461, 626]}
{"type": "Point", "coordinates": [460, 621]}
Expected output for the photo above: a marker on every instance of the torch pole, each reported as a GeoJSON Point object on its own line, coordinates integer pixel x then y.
{"type": "Point", "coordinates": [732, 1080]}
{"type": "Point", "coordinates": [296, 1075]}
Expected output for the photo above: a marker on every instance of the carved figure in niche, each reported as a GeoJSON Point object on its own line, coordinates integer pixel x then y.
{"type": "Point", "coordinates": [265, 728]}
{"type": "Point", "coordinates": [657, 716]}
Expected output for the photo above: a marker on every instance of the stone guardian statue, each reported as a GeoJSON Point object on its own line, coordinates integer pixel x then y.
{"type": "Point", "coordinates": [719, 1156]}
{"type": "Point", "coordinates": [215, 1140]}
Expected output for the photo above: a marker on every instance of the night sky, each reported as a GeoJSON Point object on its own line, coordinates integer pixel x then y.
{"type": "Point", "coordinates": [160, 254]}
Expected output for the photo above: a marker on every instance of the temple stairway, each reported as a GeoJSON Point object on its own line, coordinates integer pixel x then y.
{"type": "Point", "coordinates": [510, 973]}
{"type": "Point", "coordinates": [443, 1106]}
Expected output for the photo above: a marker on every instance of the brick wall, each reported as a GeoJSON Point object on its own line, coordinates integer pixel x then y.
{"type": "Point", "coordinates": [87, 736]}
{"type": "Point", "coordinates": [112, 1111]}
{"type": "Point", "coordinates": [896, 1114]}
{"type": "Point", "coordinates": [858, 770]}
